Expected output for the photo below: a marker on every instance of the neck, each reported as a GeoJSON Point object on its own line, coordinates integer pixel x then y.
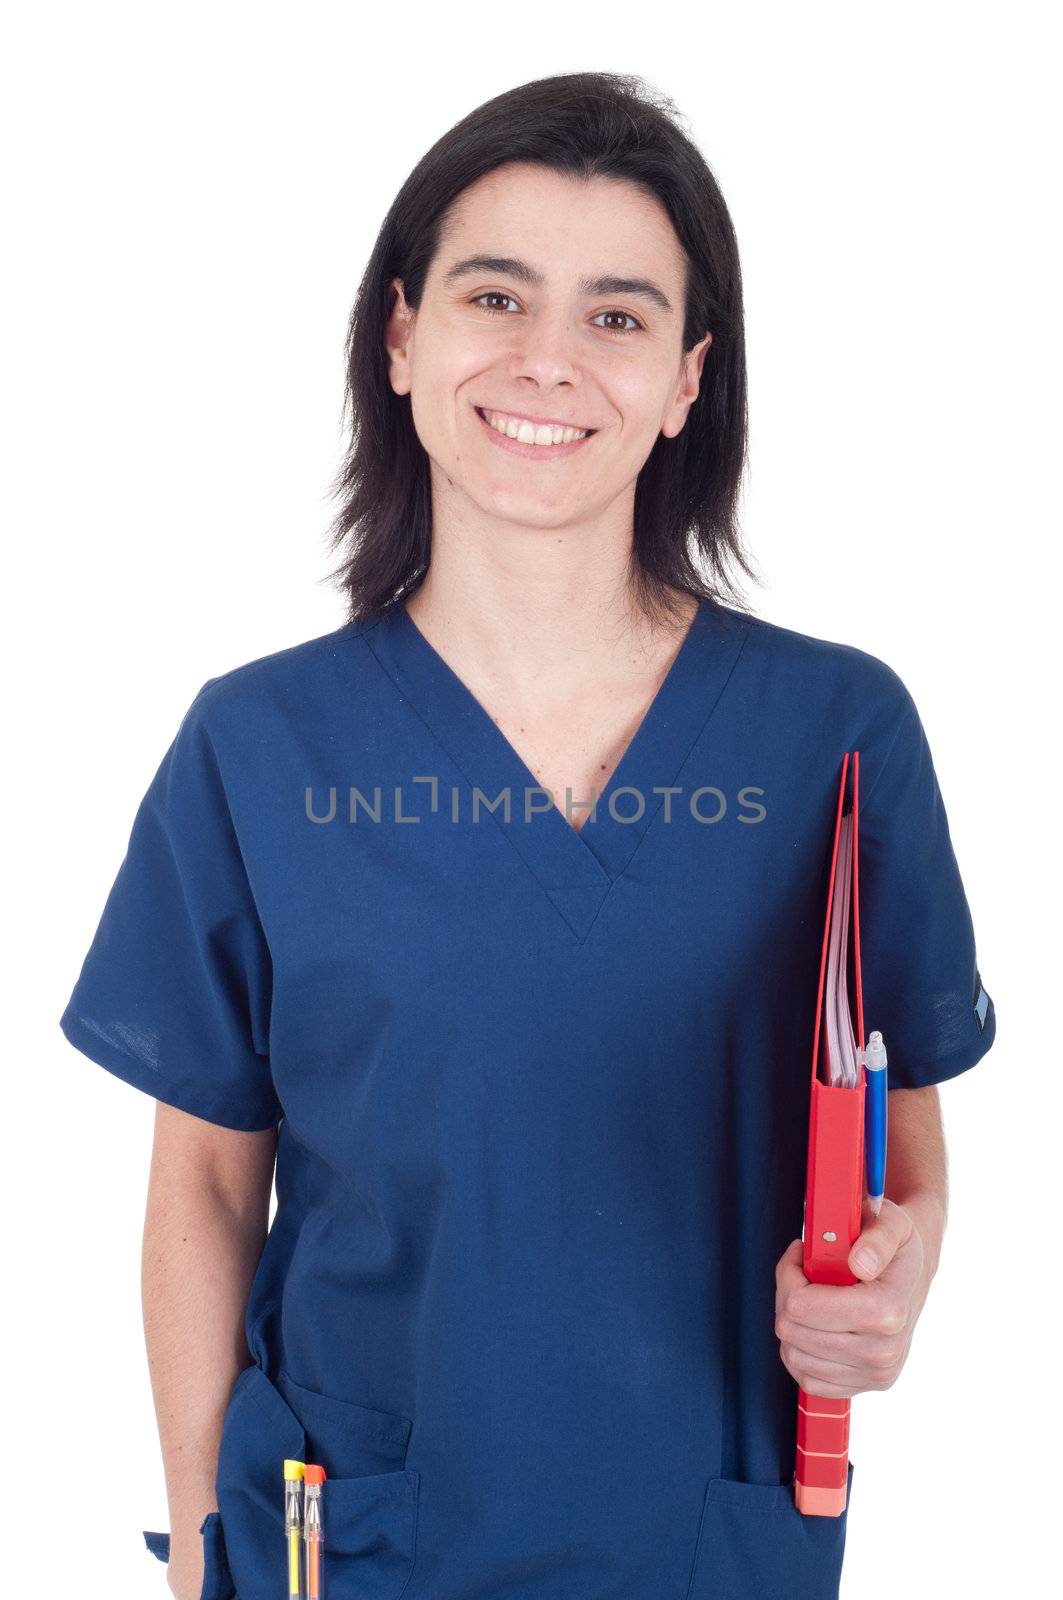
{"type": "Point", "coordinates": [539, 623]}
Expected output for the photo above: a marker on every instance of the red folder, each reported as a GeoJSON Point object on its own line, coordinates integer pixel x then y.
{"type": "Point", "coordinates": [834, 1194]}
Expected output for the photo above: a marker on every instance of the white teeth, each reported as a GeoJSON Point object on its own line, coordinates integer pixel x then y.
{"type": "Point", "coordinates": [530, 433]}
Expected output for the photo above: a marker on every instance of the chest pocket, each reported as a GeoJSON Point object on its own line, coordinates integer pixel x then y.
{"type": "Point", "coordinates": [754, 1544]}
{"type": "Point", "coordinates": [370, 1501]}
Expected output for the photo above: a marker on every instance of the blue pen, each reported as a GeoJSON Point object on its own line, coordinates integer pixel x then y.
{"type": "Point", "coordinates": [875, 1120]}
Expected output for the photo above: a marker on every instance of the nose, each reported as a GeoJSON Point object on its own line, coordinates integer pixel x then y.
{"type": "Point", "coordinates": [544, 351]}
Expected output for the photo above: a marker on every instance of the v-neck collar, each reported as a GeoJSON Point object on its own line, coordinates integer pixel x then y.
{"type": "Point", "coordinates": [576, 869]}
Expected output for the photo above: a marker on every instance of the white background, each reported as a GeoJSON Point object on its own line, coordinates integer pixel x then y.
{"type": "Point", "coordinates": [192, 192]}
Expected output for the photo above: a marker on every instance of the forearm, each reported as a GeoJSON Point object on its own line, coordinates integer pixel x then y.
{"type": "Point", "coordinates": [200, 1253]}
{"type": "Point", "coordinates": [917, 1165]}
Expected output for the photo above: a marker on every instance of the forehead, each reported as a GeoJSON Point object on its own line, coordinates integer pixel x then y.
{"type": "Point", "coordinates": [563, 224]}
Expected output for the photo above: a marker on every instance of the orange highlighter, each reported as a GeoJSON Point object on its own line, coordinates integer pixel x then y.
{"type": "Point", "coordinates": [313, 1529]}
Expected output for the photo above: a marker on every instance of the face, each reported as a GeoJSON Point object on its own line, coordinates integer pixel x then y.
{"type": "Point", "coordinates": [552, 304]}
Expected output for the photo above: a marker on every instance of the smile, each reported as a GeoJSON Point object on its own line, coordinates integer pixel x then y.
{"type": "Point", "coordinates": [532, 439]}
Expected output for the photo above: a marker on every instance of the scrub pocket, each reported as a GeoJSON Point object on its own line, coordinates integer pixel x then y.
{"type": "Point", "coordinates": [370, 1501]}
{"type": "Point", "coordinates": [217, 1579]}
{"type": "Point", "coordinates": [754, 1544]}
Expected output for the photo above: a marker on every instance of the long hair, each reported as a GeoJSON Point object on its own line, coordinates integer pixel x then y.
{"type": "Point", "coordinates": [586, 124]}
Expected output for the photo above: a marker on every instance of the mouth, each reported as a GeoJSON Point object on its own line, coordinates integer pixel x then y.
{"type": "Point", "coordinates": [533, 441]}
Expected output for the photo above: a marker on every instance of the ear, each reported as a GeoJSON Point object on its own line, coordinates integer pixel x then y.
{"type": "Point", "coordinates": [397, 338]}
{"type": "Point", "coordinates": [689, 386]}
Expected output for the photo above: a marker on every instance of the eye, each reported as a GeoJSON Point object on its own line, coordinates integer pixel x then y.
{"type": "Point", "coordinates": [626, 314]}
{"type": "Point", "coordinates": [493, 294]}
{"type": "Point", "coordinates": [497, 311]}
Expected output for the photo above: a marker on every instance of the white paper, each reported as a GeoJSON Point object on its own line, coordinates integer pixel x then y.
{"type": "Point", "coordinates": [841, 1041]}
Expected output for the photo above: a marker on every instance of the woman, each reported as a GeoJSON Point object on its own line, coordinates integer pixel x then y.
{"type": "Point", "coordinates": [493, 917]}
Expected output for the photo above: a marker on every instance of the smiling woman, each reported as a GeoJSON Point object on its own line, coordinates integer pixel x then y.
{"type": "Point", "coordinates": [570, 222]}
{"type": "Point", "coordinates": [538, 1083]}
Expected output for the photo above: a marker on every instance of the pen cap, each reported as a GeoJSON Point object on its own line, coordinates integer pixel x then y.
{"type": "Point", "coordinates": [875, 1054]}
{"type": "Point", "coordinates": [313, 1474]}
{"type": "Point", "coordinates": [293, 1470]}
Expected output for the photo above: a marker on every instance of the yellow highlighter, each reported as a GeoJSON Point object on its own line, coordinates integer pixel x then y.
{"type": "Point", "coordinates": [293, 1526]}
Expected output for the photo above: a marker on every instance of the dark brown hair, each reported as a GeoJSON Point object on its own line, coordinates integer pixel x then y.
{"type": "Point", "coordinates": [586, 124]}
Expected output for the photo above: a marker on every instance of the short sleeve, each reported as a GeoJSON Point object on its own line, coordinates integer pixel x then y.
{"type": "Point", "coordinates": [174, 994]}
{"type": "Point", "coordinates": [921, 983]}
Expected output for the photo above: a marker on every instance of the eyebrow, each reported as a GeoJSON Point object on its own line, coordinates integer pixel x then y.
{"type": "Point", "coordinates": [511, 267]}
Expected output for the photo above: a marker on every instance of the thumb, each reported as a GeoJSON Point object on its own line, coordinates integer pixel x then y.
{"type": "Point", "coordinates": [879, 1240]}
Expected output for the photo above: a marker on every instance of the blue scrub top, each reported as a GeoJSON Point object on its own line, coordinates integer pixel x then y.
{"type": "Point", "coordinates": [541, 1096]}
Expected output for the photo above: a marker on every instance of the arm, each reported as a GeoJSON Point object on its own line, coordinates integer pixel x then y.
{"type": "Point", "coordinates": [917, 1167]}
{"type": "Point", "coordinates": [841, 1340]}
{"type": "Point", "coordinates": [205, 1225]}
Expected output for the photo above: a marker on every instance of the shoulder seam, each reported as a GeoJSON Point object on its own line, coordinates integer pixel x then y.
{"type": "Point", "coordinates": [320, 641]}
{"type": "Point", "coordinates": [908, 711]}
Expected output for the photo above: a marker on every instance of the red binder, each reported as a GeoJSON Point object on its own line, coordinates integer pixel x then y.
{"type": "Point", "coordinates": [833, 1194]}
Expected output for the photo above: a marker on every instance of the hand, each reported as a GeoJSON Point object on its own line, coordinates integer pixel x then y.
{"type": "Point", "coordinates": [841, 1339]}
{"type": "Point", "coordinates": [184, 1570]}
